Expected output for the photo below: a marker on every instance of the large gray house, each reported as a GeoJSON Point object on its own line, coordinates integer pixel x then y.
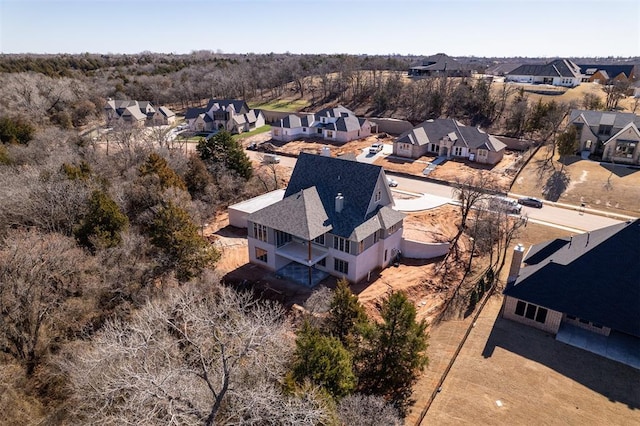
{"type": "Point", "coordinates": [336, 218]}
{"type": "Point", "coordinates": [449, 138]}
{"type": "Point", "coordinates": [613, 136]}
{"type": "Point", "coordinates": [232, 115]}
{"type": "Point", "coordinates": [560, 72]}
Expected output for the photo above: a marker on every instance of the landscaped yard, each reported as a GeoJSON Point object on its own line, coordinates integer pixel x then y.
{"type": "Point", "coordinates": [263, 129]}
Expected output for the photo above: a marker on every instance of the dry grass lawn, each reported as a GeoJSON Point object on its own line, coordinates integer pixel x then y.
{"type": "Point", "coordinates": [602, 186]}
{"type": "Point", "coordinates": [511, 374]}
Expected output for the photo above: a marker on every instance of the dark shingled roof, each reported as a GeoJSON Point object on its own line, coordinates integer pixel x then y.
{"type": "Point", "coordinates": [355, 181]}
{"type": "Point", "coordinates": [240, 107]}
{"type": "Point", "coordinates": [557, 68]}
{"type": "Point", "coordinates": [594, 118]}
{"type": "Point", "coordinates": [613, 70]}
{"type": "Point", "coordinates": [301, 215]}
{"type": "Point", "coordinates": [432, 131]}
{"type": "Point", "coordinates": [593, 276]}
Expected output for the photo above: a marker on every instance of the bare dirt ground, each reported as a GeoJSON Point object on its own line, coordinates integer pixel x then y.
{"type": "Point", "coordinates": [602, 186]}
{"type": "Point", "coordinates": [511, 374]}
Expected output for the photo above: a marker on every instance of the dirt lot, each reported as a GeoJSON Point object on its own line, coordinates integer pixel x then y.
{"type": "Point", "coordinates": [603, 186]}
{"type": "Point", "coordinates": [511, 374]}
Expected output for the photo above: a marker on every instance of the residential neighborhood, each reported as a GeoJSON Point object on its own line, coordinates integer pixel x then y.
{"type": "Point", "coordinates": [422, 213]}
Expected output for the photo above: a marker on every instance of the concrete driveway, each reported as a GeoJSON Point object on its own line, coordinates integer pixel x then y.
{"type": "Point", "coordinates": [417, 203]}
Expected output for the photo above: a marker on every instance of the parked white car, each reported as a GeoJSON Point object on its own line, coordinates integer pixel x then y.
{"type": "Point", "coordinates": [375, 148]}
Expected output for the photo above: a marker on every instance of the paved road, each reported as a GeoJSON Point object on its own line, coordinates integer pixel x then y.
{"type": "Point", "coordinates": [567, 217]}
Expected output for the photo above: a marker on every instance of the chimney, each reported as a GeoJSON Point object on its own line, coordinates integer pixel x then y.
{"type": "Point", "coordinates": [339, 202]}
{"type": "Point", "coordinates": [516, 261]}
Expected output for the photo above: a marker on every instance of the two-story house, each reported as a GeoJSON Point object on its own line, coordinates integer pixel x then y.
{"type": "Point", "coordinates": [332, 124]}
{"type": "Point", "coordinates": [336, 218]}
{"type": "Point", "coordinates": [613, 136]}
{"type": "Point", "coordinates": [451, 139]}
{"type": "Point", "coordinates": [137, 113]}
{"type": "Point", "coordinates": [232, 115]}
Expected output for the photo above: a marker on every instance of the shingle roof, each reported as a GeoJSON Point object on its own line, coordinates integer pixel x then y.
{"type": "Point", "coordinates": [595, 118]}
{"type": "Point", "coordinates": [301, 214]}
{"type": "Point", "coordinates": [432, 131]}
{"type": "Point", "coordinates": [594, 276]}
{"type": "Point", "coordinates": [135, 112]}
{"type": "Point", "coordinates": [239, 106]}
{"type": "Point", "coordinates": [557, 68]}
{"type": "Point", "coordinates": [166, 112]}
{"type": "Point", "coordinates": [612, 70]}
{"type": "Point", "coordinates": [194, 112]}
{"type": "Point", "coordinates": [440, 62]}
{"type": "Point", "coordinates": [338, 111]}
{"type": "Point", "coordinates": [355, 181]}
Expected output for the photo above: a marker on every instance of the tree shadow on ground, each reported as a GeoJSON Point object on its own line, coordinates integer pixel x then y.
{"type": "Point", "coordinates": [555, 185]}
{"type": "Point", "coordinates": [568, 160]}
{"type": "Point", "coordinates": [609, 378]}
{"type": "Point", "coordinates": [620, 170]}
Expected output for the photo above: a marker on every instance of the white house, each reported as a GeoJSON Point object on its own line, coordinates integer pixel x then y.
{"type": "Point", "coordinates": [231, 115]}
{"type": "Point", "coordinates": [333, 124]}
{"type": "Point", "coordinates": [336, 218]}
{"type": "Point", "coordinates": [561, 72]}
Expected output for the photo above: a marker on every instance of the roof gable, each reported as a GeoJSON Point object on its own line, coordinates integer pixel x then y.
{"type": "Point", "coordinates": [331, 176]}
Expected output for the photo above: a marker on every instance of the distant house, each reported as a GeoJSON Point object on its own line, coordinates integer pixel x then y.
{"type": "Point", "coordinates": [439, 65]}
{"type": "Point", "coordinates": [449, 138]}
{"type": "Point", "coordinates": [601, 73]}
{"type": "Point", "coordinates": [137, 113]}
{"type": "Point", "coordinates": [163, 116]}
{"type": "Point", "coordinates": [336, 218]}
{"type": "Point", "coordinates": [561, 72]}
{"type": "Point", "coordinates": [613, 136]}
{"type": "Point", "coordinates": [332, 124]}
{"type": "Point", "coordinates": [231, 115]}
{"type": "Point", "coordinates": [590, 281]}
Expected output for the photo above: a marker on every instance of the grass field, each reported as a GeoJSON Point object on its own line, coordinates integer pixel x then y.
{"type": "Point", "coordinates": [284, 105]}
{"type": "Point", "coordinates": [263, 129]}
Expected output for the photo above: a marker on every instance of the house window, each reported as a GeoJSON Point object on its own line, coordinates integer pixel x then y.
{"type": "Point", "coordinates": [457, 151]}
{"type": "Point", "coordinates": [319, 130]}
{"type": "Point", "coordinates": [393, 228]}
{"type": "Point", "coordinates": [261, 255]}
{"type": "Point", "coordinates": [378, 196]}
{"type": "Point", "coordinates": [341, 266]}
{"type": "Point", "coordinates": [304, 129]}
{"type": "Point", "coordinates": [604, 130]}
{"type": "Point", "coordinates": [260, 232]}
{"type": "Point", "coordinates": [361, 246]}
{"type": "Point", "coordinates": [433, 147]}
{"type": "Point", "coordinates": [319, 239]}
{"type": "Point", "coordinates": [625, 149]}
{"type": "Point", "coordinates": [375, 237]}
{"type": "Point", "coordinates": [329, 134]}
{"type": "Point", "coordinates": [483, 153]}
{"type": "Point", "coordinates": [385, 255]}
{"type": "Point", "coordinates": [531, 311]}
{"type": "Point", "coordinates": [282, 238]}
{"type": "Point", "coordinates": [341, 244]}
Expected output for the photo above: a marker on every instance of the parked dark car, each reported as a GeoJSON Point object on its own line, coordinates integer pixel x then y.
{"type": "Point", "coordinates": [530, 202]}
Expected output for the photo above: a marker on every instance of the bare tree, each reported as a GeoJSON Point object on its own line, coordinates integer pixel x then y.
{"type": "Point", "coordinates": [196, 357]}
{"type": "Point", "coordinates": [367, 410]}
{"type": "Point", "coordinates": [39, 274]}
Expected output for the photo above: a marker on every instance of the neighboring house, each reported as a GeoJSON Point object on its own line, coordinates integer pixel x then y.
{"type": "Point", "coordinates": [231, 115]}
{"type": "Point", "coordinates": [439, 65]}
{"type": "Point", "coordinates": [561, 72]}
{"type": "Point", "coordinates": [137, 113]}
{"type": "Point", "coordinates": [599, 73]}
{"type": "Point", "coordinates": [613, 136]}
{"type": "Point", "coordinates": [333, 124]}
{"type": "Point", "coordinates": [449, 138]}
{"type": "Point", "coordinates": [590, 281]}
{"type": "Point", "coordinates": [336, 218]}
{"type": "Point", "coordinates": [163, 116]}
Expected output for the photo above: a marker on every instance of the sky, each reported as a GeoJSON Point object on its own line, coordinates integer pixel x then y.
{"type": "Point", "coordinates": [482, 28]}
